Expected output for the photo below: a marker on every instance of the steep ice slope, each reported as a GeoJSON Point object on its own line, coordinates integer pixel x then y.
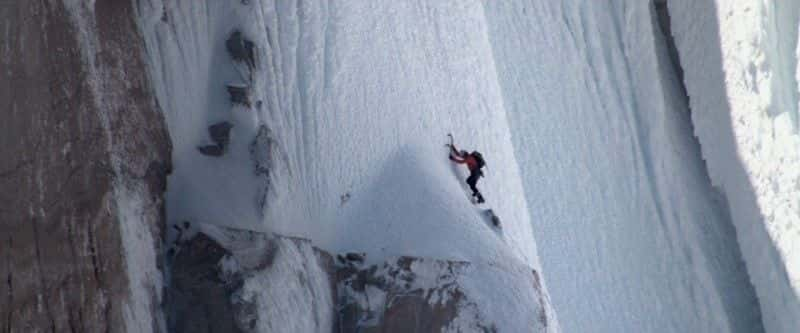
{"type": "Point", "coordinates": [351, 101]}
{"type": "Point", "coordinates": [632, 236]}
{"type": "Point", "coordinates": [341, 90]}
{"type": "Point", "coordinates": [387, 84]}
{"type": "Point", "coordinates": [741, 62]}
{"type": "Point", "coordinates": [416, 217]}
{"type": "Point", "coordinates": [349, 108]}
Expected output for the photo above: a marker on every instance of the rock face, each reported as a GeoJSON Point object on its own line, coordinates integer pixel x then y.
{"type": "Point", "coordinates": [235, 281]}
{"type": "Point", "coordinates": [85, 158]}
{"type": "Point", "coordinates": [408, 294]}
{"type": "Point", "coordinates": [220, 134]}
{"type": "Point", "coordinates": [239, 94]}
{"type": "Point", "coordinates": [200, 301]}
{"type": "Point", "coordinates": [389, 298]}
{"type": "Point", "coordinates": [241, 49]}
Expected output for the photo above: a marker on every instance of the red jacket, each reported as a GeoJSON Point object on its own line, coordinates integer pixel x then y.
{"type": "Point", "coordinates": [471, 162]}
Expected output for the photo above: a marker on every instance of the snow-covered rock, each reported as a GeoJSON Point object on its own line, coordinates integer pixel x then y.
{"type": "Point", "coordinates": [408, 294]}
{"type": "Point", "coordinates": [236, 281]}
{"type": "Point", "coordinates": [228, 280]}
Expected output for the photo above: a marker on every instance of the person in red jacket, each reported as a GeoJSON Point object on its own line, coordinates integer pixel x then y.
{"type": "Point", "coordinates": [474, 162]}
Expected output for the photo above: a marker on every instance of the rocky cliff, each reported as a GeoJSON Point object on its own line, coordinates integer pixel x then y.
{"type": "Point", "coordinates": [85, 158]}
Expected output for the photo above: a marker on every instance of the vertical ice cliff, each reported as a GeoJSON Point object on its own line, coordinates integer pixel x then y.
{"type": "Point", "coordinates": [85, 157]}
{"type": "Point", "coordinates": [631, 233]}
{"type": "Point", "coordinates": [741, 67]}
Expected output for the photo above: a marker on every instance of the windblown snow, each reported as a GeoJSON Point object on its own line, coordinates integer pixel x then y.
{"type": "Point", "coordinates": [339, 137]}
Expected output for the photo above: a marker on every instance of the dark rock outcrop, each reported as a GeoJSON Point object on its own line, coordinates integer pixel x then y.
{"type": "Point", "coordinates": [389, 298]}
{"type": "Point", "coordinates": [79, 126]}
{"type": "Point", "coordinates": [221, 284]}
{"type": "Point", "coordinates": [211, 150]}
{"type": "Point", "coordinates": [220, 134]}
{"type": "Point", "coordinates": [200, 297]}
{"type": "Point", "coordinates": [241, 49]}
{"type": "Point", "coordinates": [239, 94]}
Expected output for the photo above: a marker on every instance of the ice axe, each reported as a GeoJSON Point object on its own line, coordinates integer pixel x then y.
{"type": "Point", "coordinates": [451, 140]}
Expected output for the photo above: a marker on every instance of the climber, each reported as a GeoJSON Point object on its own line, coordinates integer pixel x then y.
{"type": "Point", "coordinates": [474, 162]}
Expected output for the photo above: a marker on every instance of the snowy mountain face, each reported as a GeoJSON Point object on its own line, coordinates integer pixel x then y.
{"type": "Point", "coordinates": [641, 157]}
{"type": "Point", "coordinates": [283, 133]}
{"type": "Point", "coordinates": [576, 105]}
{"type": "Point", "coordinates": [334, 135]}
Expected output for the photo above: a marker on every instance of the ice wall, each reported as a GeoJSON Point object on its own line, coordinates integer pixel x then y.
{"type": "Point", "coordinates": [631, 233]}
{"type": "Point", "coordinates": [741, 61]}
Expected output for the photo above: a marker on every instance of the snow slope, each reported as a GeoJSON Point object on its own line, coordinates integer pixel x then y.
{"type": "Point", "coordinates": [420, 224]}
{"type": "Point", "coordinates": [744, 105]}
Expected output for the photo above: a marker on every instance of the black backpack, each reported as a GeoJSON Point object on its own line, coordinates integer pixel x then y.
{"type": "Point", "coordinates": [479, 158]}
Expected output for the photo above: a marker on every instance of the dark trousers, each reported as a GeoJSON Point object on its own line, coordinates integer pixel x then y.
{"type": "Point", "coordinates": [472, 181]}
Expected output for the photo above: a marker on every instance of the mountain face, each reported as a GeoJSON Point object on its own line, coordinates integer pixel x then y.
{"type": "Point", "coordinates": [86, 154]}
{"type": "Point", "coordinates": [280, 166]}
